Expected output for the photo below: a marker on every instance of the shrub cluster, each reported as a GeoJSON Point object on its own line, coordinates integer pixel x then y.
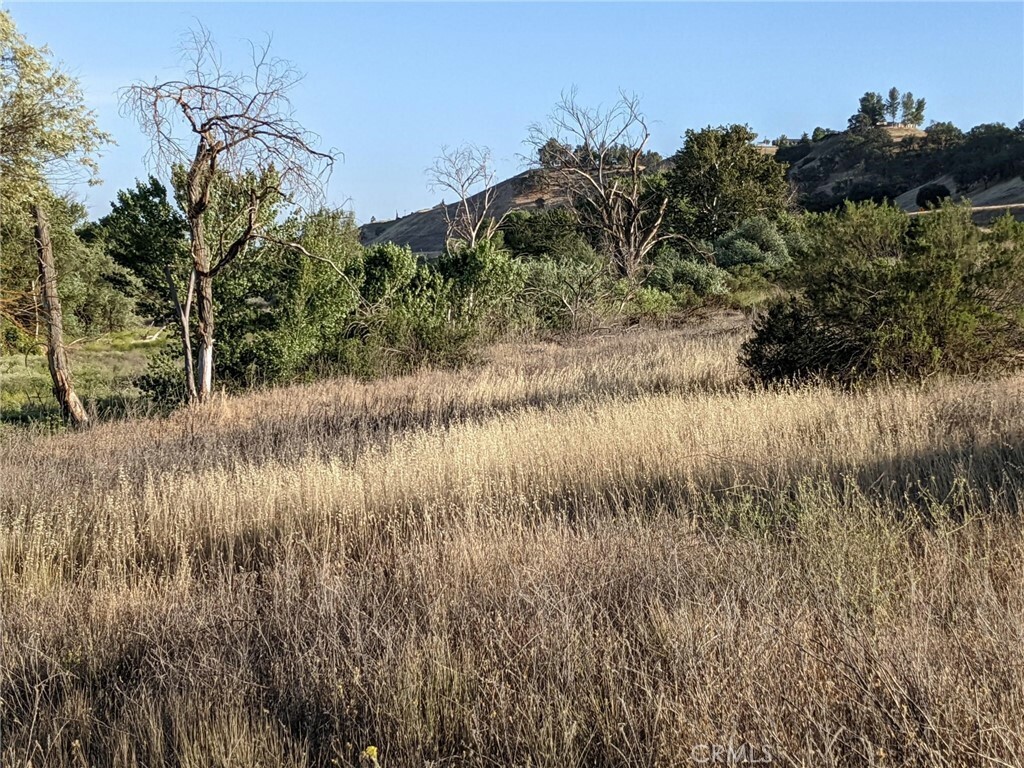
{"type": "Point", "coordinates": [879, 295]}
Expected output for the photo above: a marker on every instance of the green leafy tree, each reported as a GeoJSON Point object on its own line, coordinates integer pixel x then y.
{"type": "Point", "coordinates": [535, 234]}
{"type": "Point", "coordinates": [870, 113]}
{"type": "Point", "coordinates": [47, 136]}
{"type": "Point", "coordinates": [145, 233]}
{"type": "Point", "coordinates": [907, 106]}
{"type": "Point", "coordinates": [95, 293]}
{"type": "Point", "coordinates": [485, 282]}
{"type": "Point", "coordinates": [941, 136]}
{"type": "Point", "coordinates": [718, 179]}
{"type": "Point", "coordinates": [282, 315]}
{"type": "Point", "coordinates": [917, 116]}
{"type": "Point", "coordinates": [892, 104]}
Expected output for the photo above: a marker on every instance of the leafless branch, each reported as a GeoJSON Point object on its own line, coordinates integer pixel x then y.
{"type": "Point", "coordinates": [596, 157]}
{"type": "Point", "coordinates": [217, 120]}
{"type": "Point", "coordinates": [467, 171]}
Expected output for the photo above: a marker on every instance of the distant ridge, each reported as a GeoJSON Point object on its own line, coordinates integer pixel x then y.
{"type": "Point", "coordinates": [424, 231]}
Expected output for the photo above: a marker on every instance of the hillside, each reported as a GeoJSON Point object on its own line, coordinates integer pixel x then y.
{"type": "Point", "coordinates": [894, 163]}
{"type": "Point", "coordinates": [424, 231]}
{"type": "Point", "coordinates": [891, 162]}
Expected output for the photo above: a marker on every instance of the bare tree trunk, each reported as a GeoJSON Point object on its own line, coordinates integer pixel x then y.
{"type": "Point", "coordinates": [183, 314]}
{"type": "Point", "coordinates": [60, 371]}
{"type": "Point", "coordinates": [204, 305]}
{"type": "Point", "coordinates": [205, 296]}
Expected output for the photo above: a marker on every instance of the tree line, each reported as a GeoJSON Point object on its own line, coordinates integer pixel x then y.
{"type": "Point", "coordinates": [875, 109]}
{"type": "Point", "coordinates": [230, 242]}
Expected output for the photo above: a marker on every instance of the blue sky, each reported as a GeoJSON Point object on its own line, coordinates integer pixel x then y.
{"type": "Point", "coordinates": [388, 84]}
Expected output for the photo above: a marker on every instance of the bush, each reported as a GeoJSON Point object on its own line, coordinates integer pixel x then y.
{"type": "Point", "coordinates": [881, 297]}
{"type": "Point", "coordinates": [756, 241]}
{"type": "Point", "coordinates": [570, 293]}
{"type": "Point", "coordinates": [674, 270]}
{"type": "Point", "coordinates": [13, 339]}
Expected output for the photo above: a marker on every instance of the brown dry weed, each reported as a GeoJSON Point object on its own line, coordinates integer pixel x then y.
{"type": "Point", "coordinates": [610, 553]}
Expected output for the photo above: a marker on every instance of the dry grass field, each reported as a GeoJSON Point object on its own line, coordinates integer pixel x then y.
{"type": "Point", "coordinates": [614, 553]}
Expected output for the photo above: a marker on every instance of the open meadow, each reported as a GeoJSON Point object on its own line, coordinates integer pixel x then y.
{"type": "Point", "coordinates": [609, 552]}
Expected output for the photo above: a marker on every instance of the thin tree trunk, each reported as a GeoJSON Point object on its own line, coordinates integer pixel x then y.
{"type": "Point", "coordinates": [60, 370]}
{"type": "Point", "coordinates": [183, 314]}
{"type": "Point", "coordinates": [204, 305]}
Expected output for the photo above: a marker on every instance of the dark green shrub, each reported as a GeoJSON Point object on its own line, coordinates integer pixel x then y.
{"type": "Point", "coordinates": [878, 296]}
{"type": "Point", "coordinates": [755, 241]}
{"type": "Point", "coordinates": [674, 270]}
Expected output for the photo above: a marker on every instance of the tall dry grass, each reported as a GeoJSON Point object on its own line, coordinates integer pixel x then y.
{"type": "Point", "coordinates": [613, 553]}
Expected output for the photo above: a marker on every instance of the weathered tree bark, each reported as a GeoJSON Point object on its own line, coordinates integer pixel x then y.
{"type": "Point", "coordinates": [206, 326]}
{"type": "Point", "coordinates": [183, 313]}
{"type": "Point", "coordinates": [203, 268]}
{"type": "Point", "coordinates": [60, 370]}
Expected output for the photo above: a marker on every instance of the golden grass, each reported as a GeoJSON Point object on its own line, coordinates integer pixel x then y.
{"type": "Point", "coordinates": [610, 553]}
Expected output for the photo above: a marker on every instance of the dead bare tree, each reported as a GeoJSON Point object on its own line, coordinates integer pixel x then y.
{"type": "Point", "coordinates": [595, 156]}
{"type": "Point", "coordinates": [467, 171]}
{"type": "Point", "coordinates": [215, 123]}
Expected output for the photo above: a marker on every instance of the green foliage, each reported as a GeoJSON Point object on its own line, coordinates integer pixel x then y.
{"type": "Point", "coordinates": [147, 235]}
{"type": "Point", "coordinates": [870, 113]}
{"type": "Point", "coordinates": [719, 179]}
{"type": "Point", "coordinates": [163, 381]}
{"type": "Point", "coordinates": [647, 303]}
{"type": "Point", "coordinates": [912, 109]}
{"type": "Point", "coordinates": [95, 292]}
{"type": "Point", "coordinates": [879, 296]}
{"type": "Point", "coordinates": [892, 104]}
{"type": "Point", "coordinates": [571, 291]}
{"type": "Point", "coordinates": [485, 283]}
{"type": "Point", "coordinates": [388, 270]}
{"type": "Point", "coordinates": [874, 167]}
{"type": "Point", "coordinates": [47, 131]}
{"type": "Point", "coordinates": [421, 329]}
{"type": "Point", "coordinates": [349, 310]}
{"type": "Point", "coordinates": [988, 153]}
{"type": "Point", "coordinates": [551, 232]}
{"type": "Point", "coordinates": [755, 241]}
{"type": "Point", "coordinates": [14, 340]}
{"type": "Point", "coordinates": [939, 136]}
{"type": "Point", "coordinates": [686, 277]}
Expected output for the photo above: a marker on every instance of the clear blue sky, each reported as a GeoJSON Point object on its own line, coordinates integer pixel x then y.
{"type": "Point", "coordinates": [389, 84]}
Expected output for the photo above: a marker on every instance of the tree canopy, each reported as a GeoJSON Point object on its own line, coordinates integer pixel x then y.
{"type": "Point", "coordinates": [719, 178]}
